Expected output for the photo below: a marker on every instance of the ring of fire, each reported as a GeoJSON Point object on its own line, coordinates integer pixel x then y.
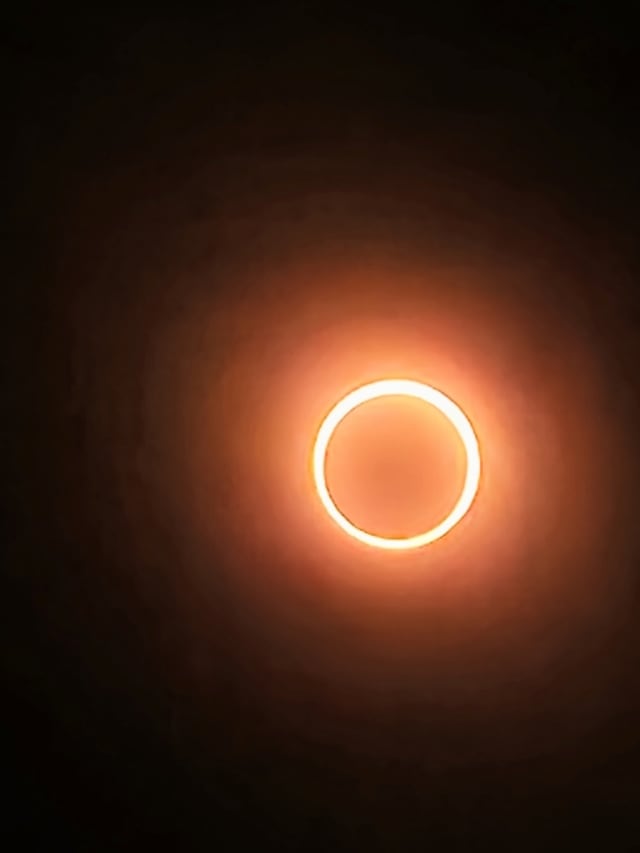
{"type": "Point", "coordinates": [431, 396]}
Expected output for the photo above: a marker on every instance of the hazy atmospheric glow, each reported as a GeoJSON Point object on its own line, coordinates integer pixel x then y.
{"type": "Point", "coordinates": [431, 396]}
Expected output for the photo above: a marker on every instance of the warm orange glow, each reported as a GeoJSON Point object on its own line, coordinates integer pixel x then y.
{"type": "Point", "coordinates": [431, 396]}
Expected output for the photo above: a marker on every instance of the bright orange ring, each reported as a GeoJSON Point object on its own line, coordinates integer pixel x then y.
{"type": "Point", "coordinates": [404, 388]}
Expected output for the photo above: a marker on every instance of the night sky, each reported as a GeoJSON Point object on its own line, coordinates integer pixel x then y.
{"type": "Point", "coordinates": [219, 224]}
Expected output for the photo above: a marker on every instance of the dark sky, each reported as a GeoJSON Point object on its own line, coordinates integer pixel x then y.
{"type": "Point", "coordinates": [219, 222]}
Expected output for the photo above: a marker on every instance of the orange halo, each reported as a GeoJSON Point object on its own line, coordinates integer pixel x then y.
{"type": "Point", "coordinates": [403, 388]}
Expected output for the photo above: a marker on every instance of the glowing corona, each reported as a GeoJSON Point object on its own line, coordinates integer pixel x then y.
{"type": "Point", "coordinates": [431, 396]}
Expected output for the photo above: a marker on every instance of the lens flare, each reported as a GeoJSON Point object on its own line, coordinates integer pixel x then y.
{"type": "Point", "coordinates": [431, 396]}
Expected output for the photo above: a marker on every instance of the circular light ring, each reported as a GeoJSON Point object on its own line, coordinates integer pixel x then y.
{"type": "Point", "coordinates": [403, 388]}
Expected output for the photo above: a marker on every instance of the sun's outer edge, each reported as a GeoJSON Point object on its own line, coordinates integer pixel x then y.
{"type": "Point", "coordinates": [404, 388]}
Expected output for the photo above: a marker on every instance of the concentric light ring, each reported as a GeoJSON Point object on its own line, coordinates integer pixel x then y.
{"type": "Point", "coordinates": [429, 395]}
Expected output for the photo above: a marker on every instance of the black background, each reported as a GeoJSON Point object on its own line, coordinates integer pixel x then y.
{"type": "Point", "coordinates": [145, 709]}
